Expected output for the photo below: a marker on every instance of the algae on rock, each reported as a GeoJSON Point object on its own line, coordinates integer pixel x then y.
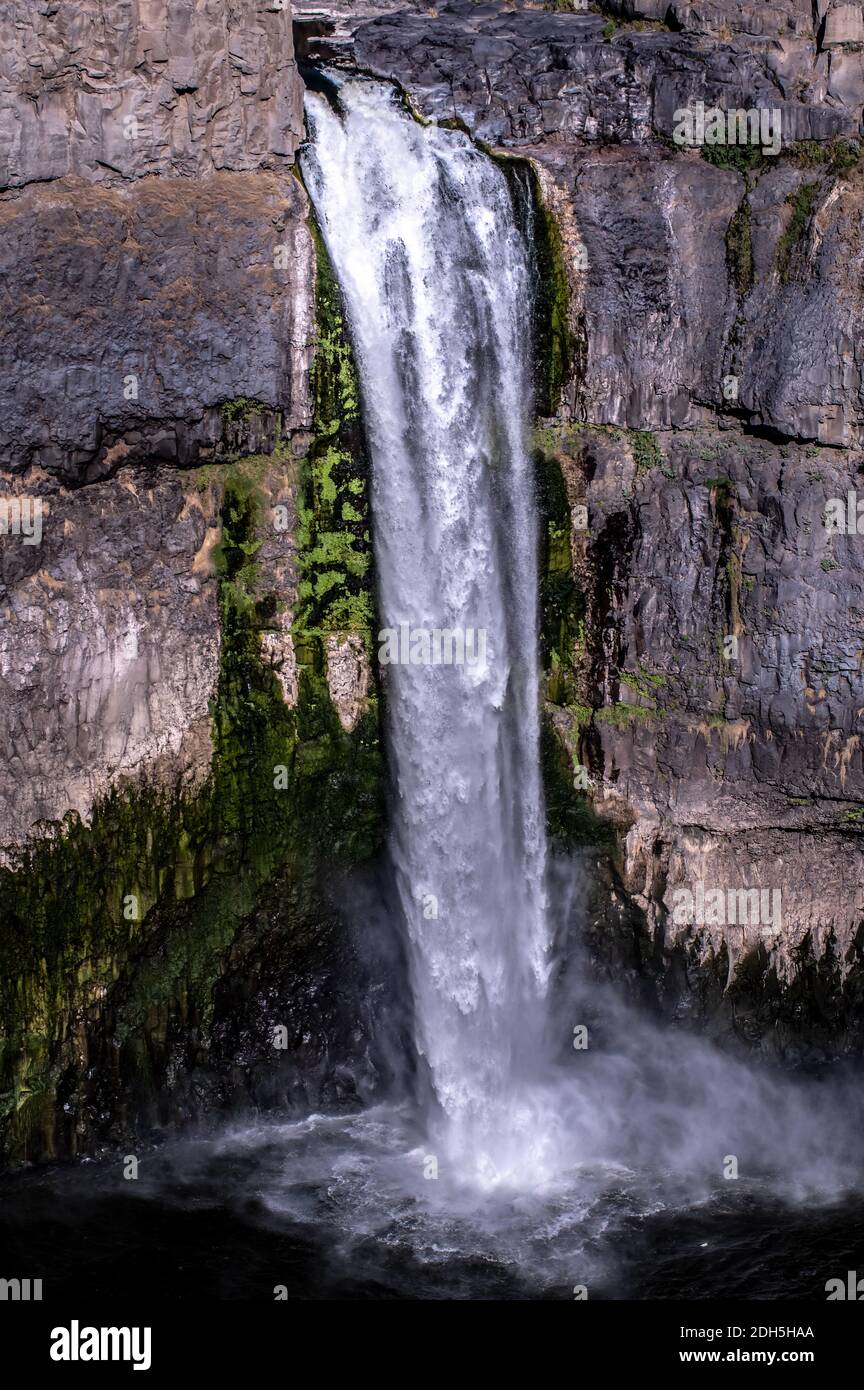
{"type": "Point", "coordinates": [114, 934]}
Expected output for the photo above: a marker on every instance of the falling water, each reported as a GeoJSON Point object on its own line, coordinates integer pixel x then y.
{"type": "Point", "coordinates": [421, 229]}
{"type": "Point", "coordinates": [556, 1174]}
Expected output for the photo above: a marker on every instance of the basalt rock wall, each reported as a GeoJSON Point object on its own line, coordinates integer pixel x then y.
{"type": "Point", "coordinates": [703, 603]}
{"type": "Point", "coordinates": [187, 709]}
{"type": "Point", "coordinates": [189, 704]}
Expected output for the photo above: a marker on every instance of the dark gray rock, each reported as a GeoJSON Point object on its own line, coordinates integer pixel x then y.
{"type": "Point", "coordinates": [132, 314]}
{"type": "Point", "coordinates": [720, 688]}
{"type": "Point", "coordinates": [671, 304]}
{"type": "Point", "coordinates": [525, 76]}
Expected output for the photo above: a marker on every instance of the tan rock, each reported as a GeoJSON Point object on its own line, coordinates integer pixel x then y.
{"type": "Point", "coordinates": [348, 677]}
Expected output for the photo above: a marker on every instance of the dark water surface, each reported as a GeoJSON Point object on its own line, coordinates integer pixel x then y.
{"type": "Point", "coordinates": [337, 1208]}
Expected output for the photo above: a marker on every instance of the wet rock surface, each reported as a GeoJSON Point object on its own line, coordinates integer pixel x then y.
{"type": "Point", "coordinates": [309, 1012]}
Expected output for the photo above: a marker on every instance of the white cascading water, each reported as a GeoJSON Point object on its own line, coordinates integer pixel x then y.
{"type": "Point", "coordinates": [556, 1175]}
{"type": "Point", "coordinates": [421, 230]}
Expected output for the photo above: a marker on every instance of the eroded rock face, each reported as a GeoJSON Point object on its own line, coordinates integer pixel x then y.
{"type": "Point", "coordinates": [728, 543]}
{"type": "Point", "coordinates": [110, 645]}
{"type": "Point", "coordinates": [692, 270]}
{"type": "Point", "coordinates": [727, 17]}
{"type": "Point", "coordinates": [149, 324]}
{"type": "Point", "coordinates": [526, 76]}
{"type": "Point", "coordinates": [843, 24]}
{"type": "Point", "coordinates": [133, 315]}
{"type": "Point", "coordinates": [793, 343]}
{"type": "Point", "coordinates": [113, 92]}
{"type": "Point", "coordinates": [718, 687]}
{"type": "Point", "coordinates": [729, 282]}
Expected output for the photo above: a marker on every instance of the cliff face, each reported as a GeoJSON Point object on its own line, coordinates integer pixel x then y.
{"type": "Point", "coordinates": [186, 717]}
{"type": "Point", "coordinates": [157, 273]}
{"type": "Point", "coordinates": [705, 673]}
{"type": "Point", "coordinates": [144, 328]}
{"type": "Point", "coordinates": [664, 328]}
{"type": "Point", "coordinates": [708, 685]}
{"type": "Point", "coordinates": [156, 260]}
{"type": "Point", "coordinates": [117, 91]}
{"type": "Point", "coordinates": [186, 692]}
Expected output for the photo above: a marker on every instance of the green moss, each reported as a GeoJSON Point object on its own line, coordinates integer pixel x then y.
{"type": "Point", "coordinates": [562, 607]}
{"type": "Point", "coordinates": [556, 346]}
{"type": "Point", "coordinates": [647, 684]}
{"type": "Point", "coordinates": [655, 679]}
{"type": "Point", "coordinates": [241, 409]}
{"type": "Point", "coordinates": [335, 574]}
{"type": "Point", "coordinates": [803, 204]}
{"type": "Point", "coordinates": [622, 714]}
{"type": "Point", "coordinates": [733, 587]}
{"type": "Point", "coordinates": [835, 157]}
{"type": "Point", "coordinates": [554, 339]}
{"type": "Point", "coordinates": [559, 437]}
{"type": "Point", "coordinates": [122, 926]}
{"type": "Point", "coordinates": [253, 467]}
{"type": "Point", "coordinates": [646, 451]}
{"type": "Point", "coordinates": [838, 156]}
{"type": "Point", "coordinates": [413, 111]}
{"type": "Point", "coordinates": [740, 158]}
{"type": "Point", "coordinates": [729, 568]}
{"type": "Point", "coordinates": [739, 250]}
{"type": "Point", "coordinates": [570, 815]}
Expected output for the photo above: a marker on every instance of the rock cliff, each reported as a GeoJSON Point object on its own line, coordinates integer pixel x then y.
{"type": "Point", "coordinates": [157, 275]}
{"type": "Point", "coordinates": [187, 698]}
{"type": "Point", "coordinates": [188, 719]}
{"type": "Point", "coordinates": [705, 674]}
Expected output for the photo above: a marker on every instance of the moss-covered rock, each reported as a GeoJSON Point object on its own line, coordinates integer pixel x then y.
{"type": "Point", "coordinates": [114, 934]}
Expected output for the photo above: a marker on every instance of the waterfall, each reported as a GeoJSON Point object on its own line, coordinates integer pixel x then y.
{"type": "Point", "coordinates": [420, 227]}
